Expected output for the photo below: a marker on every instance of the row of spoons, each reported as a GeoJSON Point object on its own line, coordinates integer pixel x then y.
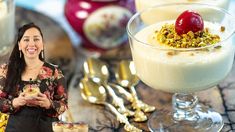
{"type": "Point", "coordinates": [95, 84]}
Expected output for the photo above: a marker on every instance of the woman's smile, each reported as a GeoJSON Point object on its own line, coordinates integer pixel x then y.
{"type": "Point", "coordinates": [31, 50]}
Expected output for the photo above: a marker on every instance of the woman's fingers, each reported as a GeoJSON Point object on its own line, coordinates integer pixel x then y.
{"type": "Point", "coordinates": [41, 95]}
{"type": "Point", "coordinates": [18, 102]}
{"type": "Point", "coordinates": [22, 95]}
{"type": "Point", "coordinates": [45, 103]}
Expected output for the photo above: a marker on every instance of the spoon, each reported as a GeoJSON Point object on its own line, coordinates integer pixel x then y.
{"type": "Point", "coordinates": [98, 72]}
{"type": "Point", "coordinates": [126, 77]}
{"type": "Point", "coordinates": [96, 94]}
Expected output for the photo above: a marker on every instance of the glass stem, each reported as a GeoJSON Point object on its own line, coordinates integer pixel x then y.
{"type": "Point", "coordinates": [184, 107]}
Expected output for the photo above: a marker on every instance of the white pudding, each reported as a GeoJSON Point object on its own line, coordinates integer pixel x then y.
{"type": "Point", "coordinates": [184, 72]}
{"type": "Point", "coordinates": [143, 4]}
{"type": "Point", "coordinates": [171, 12]}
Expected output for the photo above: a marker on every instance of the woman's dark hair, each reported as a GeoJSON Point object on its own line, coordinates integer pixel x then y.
{"type": "Point", "coordinates": [16, 64]}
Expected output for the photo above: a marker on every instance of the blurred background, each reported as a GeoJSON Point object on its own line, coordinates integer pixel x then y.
{"type": "Point", "coordinates": [55, 10]}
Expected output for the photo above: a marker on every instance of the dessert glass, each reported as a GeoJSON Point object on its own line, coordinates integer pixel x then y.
{"type": "Point", "coordinates": [7, 26]}
{"type": "Point", "coordinates": [182, 71]}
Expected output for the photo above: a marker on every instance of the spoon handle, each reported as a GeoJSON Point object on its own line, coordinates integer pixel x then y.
{"type": "Point", "coordinates": [138, 104]}
{"type": "Point", "coordinates": [117, 101]}
{"type": "Point", "coordinates": [139, 115]}
{"type": "Point", "coordinates": [122, 119]}
{"type": "Point", "coordinates": [134, 93]}
{"type": "Point", "coordinates": [122, 91]}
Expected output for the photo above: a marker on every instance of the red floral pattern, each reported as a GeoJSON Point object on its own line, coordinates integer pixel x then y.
{"type": "Point", "coordinates": [45, 73]}
{"type": "Point", "coordinates": [2, 94]}
{"type": "Point", "coordinates": [60, 90]}
{"type": "Point", "coordinates": [54, 86]}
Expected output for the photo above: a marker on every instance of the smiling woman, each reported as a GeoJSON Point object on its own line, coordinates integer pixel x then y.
{"type": "Point", "coordinates": [25, 74]}
{"type": "Point", "coordinates": [31, 43]}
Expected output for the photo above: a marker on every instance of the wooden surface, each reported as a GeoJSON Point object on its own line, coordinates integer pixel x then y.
{"type": "Point", "coordinates": [221, 98]}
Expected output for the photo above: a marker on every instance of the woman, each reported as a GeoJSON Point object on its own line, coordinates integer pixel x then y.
{"type": "Point", "coordinates": [26, 72]}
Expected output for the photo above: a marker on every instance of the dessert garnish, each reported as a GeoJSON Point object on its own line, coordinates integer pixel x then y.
{"type": "Point", "coordinates": [222, 28]}
{"type": "Point", "coordinates": [187, 32]}
{"type": "Point", "coordinates": [70, 126]}
{"type": "Point", "coordinates": [31, 90]}
{"type": "Point", "coordinates": [171, 53]}
{"type": "Point", "coordinates": [188, 21]}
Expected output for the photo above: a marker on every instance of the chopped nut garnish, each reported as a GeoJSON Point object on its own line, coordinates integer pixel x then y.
{"type": "Point", "coordinates": [191, 54]}
{"type": "Point", "coordinates": [222, 28]}
{"type": "Point", "coordinates": [168, 36]}
{"type": "Point", "coordinates": [218, 47]}
{"type": "Point", "coordinates": [171, 53]}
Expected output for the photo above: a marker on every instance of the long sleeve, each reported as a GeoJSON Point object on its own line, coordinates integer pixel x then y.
{"type": "Point", "coordinates": [5, 99]}
{"type": "Point", "coordinates": [60, 97]}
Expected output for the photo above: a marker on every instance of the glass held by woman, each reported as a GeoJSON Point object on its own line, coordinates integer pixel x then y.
{"type": "Point", "coordinates": [183, 54]}
{"type": "Point", "coordinates": [32, 91]}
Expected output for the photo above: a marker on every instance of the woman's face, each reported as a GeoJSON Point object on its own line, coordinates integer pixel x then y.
{"type": "Point", "coordinates": [31, 43]}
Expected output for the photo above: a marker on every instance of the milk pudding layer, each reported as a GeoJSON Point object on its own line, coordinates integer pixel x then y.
{"type": "Point", "coordinates": [143, 4]}
{"type": "Point", "coordinates": [181, 70]}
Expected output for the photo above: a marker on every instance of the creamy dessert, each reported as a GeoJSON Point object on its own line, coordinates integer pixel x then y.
{"type": "Point", "coordinates": [69, 127]}
{"type": "Point", "coordinates": [57, 126]}
{"type": "Point", "coordinates": [6, 26]}
{"type": "Point", "coordinates": [31, 91]}
{"type": "Point", "coordinates": [174, 67]}
{"type": "Point", "coordinates": [173, 11]}
{"type": "Point", "coordinates": [143, 4]}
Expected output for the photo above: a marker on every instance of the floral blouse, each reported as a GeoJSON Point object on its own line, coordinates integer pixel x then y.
{"type": "Point", "coordinates": [51, 82]}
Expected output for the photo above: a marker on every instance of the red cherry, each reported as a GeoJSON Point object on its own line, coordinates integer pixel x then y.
{"type": "Point", "coordinates": [188, 21]}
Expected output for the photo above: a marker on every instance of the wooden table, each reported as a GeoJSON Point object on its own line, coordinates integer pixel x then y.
{"type": "Point", "coordinates": [221, 98]}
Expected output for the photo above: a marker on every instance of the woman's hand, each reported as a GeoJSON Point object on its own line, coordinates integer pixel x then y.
{"type": "Point", "coordinates": [19, 101]}
{"type": "Point", "coordinates": [43, 101]}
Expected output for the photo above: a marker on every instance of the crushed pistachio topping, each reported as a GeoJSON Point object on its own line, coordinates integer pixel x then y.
{"type": "Point", "coordinates": [191, 54]}
{"type": "Point", "coordinates": [218, 47]}
{"type": "Point", "coordinates": [222, 28]}
{"type": "Point", "coordinates": [168, 36]}
{"type": "Point", "coordinates": [171, 53]}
